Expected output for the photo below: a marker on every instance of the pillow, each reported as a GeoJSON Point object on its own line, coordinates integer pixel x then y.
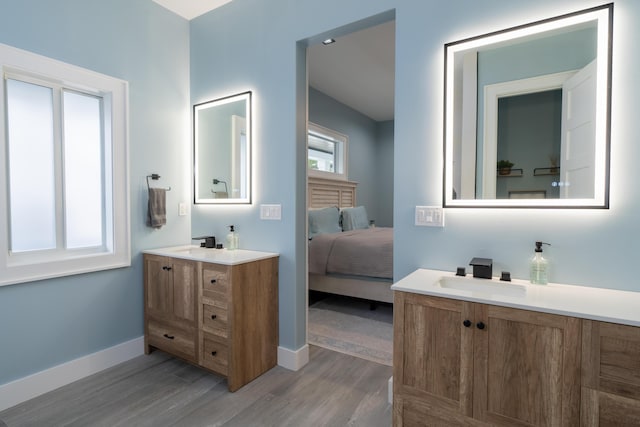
{"type": "Point", "coordinates": [325, 220]}
{"type": "Point", "coordinates": [354, 218]}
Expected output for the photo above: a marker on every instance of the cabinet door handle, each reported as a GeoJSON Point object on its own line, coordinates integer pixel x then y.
{"type": "Point", "coordinates": [170, 337]}
{"type": "Point", "coordinates": [167, 268]}
{"type": "Point", "coordinates": [213, 317]}
{"type": "Point", "coordinates": [467, 323]}
{"type": "Point", "coordinates": [480, 325]}
{"type": "Point", "coordinates": [213, 280]}
{"type": "Point", "coordinates": [213, 353]}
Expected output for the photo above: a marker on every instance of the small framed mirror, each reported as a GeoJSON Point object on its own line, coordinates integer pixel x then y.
{"type": "Point", "coordinates": [527, 115]}
{"type": "Point", "coordinates": [222, 150]}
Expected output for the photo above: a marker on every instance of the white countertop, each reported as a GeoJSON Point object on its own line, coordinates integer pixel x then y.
{"type": "Point", "coordinates": [579, 301]}
{"type": "Point", "coordinates": [217, 256]}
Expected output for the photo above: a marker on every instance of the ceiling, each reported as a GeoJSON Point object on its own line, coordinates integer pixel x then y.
{"type": "Point", "coordinates": [358, 69]}
{"type": "Point", "coordinates": [189, 9]}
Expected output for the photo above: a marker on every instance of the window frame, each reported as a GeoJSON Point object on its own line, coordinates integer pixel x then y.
{"type": "Point", "coordinates": [116, 249]}
{"type": "Point", "coordinates": [342, 142]}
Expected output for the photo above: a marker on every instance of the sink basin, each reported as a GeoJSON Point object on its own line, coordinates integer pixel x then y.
{"type": "Point", "coordinates": [198, 252]}
{"type": "Point", "coordinates": [482, 286]}
{"type": "Point", "coordinates": [192, 251]}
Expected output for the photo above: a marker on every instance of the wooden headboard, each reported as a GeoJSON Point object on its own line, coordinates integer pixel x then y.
{"type": "Point", "coordinates": [324, 192]}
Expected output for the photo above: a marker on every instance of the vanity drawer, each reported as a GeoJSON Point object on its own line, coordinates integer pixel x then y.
{"type": "Point", "coordinates": [215, 354]}
{"type": "Point", "coordinates": [215, 281]}
{"type": "Point", "coordinates": [173, 340]}
{"type": "Point", "coordinates": [214, 320]}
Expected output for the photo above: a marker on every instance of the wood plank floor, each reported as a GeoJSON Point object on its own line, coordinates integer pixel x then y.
{"type": "Point", "coordinates": [333, 389]}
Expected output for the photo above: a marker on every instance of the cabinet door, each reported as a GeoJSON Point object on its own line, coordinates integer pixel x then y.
{"type": "Point", "coordinates": [610, 374]}
{"type": "Point", "coordinates": [158, 285]}
{"type": "Point", "coordinates": [171, 288]}
{"type": "Point", "coordinates": [185, 281]}
{"type": "Point", "coordinates": [527, 368]}
{"type": "Point", "coordinates": [432, 353]}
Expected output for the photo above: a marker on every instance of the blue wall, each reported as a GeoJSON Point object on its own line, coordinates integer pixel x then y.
{"type": "Point", "coordinates": [45, 323]}
{"type": "Point", "coordinates": [384, 168]}
{"type": "Point", "coordinates": [258, 45]}
{"type": "Point", "coordinates": [249, 44]}
{"type": "Point", "coordinates": [529, 136]}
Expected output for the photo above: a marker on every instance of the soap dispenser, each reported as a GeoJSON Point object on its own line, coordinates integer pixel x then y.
{"type": "Point", "coordinates": [539, 266]}
{"type": "Point", "coordinates": [232, 239]}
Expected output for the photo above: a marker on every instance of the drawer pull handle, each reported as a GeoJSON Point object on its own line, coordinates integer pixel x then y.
{"type": "Point", "coordinates": [213, 317]}
{"type": "Point", "coordinates": [170, 337]}
{"type": "Point", "coordinates": [480, 325]}
{"type": "Point", "coordinates": [467, 323]}
{"type": "Point", "coordinates": [213, 353]}
{"type": "Point", "coordinates": [213, 280]}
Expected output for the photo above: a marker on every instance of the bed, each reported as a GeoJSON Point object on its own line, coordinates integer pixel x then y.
{"type": "Point", "coordinates": [357, 262]}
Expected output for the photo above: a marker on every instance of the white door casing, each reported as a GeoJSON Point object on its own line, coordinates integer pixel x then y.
{"type": "Point", "coordinates": [578, 151]}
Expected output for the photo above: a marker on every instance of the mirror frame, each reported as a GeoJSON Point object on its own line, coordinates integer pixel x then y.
{"type": "Point", "coordinates": [604, 17]}
{"type": "Point", "coordinates": [246, 96]}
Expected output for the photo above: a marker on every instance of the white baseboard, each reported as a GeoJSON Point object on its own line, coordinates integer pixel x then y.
{"type": "Point", "coordinates": [293, 359]}
{"type": "Point", "coordinates": [34, 385]}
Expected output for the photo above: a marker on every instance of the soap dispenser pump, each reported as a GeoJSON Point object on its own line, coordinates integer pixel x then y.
{"type": "Point", "coordinates": [232, 239]}
{"type": "Point", "coordinates": [539, 266]}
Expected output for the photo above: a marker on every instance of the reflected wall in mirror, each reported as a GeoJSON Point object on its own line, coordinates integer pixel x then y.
{"type": "Point", "coordinates": [527, 113]}
{"type": "Point", "coordinates": [222, 150]}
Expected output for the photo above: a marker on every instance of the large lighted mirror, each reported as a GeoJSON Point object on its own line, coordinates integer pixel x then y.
{"type": "Point", "coordinates": [222, 150]}
{"type": "Point", "coordinates": [527, 115]}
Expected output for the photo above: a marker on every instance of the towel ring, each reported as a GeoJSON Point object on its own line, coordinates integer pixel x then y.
{"type": "Point", "coordinates": [155, 177]}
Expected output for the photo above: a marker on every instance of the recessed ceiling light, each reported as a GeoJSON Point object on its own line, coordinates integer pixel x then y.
{"type": "Point", "coordinates": [328, 41]}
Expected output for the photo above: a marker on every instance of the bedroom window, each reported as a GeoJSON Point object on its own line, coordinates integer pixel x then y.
{"type": "Point", "coordinates": [327, 153]}
{"type": "Point", "coordinates": [65, 186]}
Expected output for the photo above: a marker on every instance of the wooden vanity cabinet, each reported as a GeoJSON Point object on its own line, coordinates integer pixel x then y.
{"type": "Point", "coordinates": [461, 363]}
{"type": "Point", "coordinates": [526, 367]}
{"type": "Point", "coordinates": [610, 374]}
{"type": "Point", "coordinates": [432, 360]}
{"type": "Point", "coordinates": [239, 320]}
{"type": "Point", "coordinates": [171, 295]}
{"type": "Point", "coordinates": [221, 317]}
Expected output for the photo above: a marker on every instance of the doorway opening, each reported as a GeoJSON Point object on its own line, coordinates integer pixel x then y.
{"type": "Point", "coordinates": [350, 98]}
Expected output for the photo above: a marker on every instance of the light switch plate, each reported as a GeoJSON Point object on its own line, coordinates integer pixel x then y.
{"type": "Point", "coordinates": [182, 209]}
{"type": "Point", "coordinates": [271, 212]}
{"type": "Point", "coordinates": [429, 216]}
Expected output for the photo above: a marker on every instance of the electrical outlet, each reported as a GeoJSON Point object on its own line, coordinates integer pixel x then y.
{"type": "Point", "coordinates": [429, 216]}
{"type": "Point", "coordinates": [182, 209]}
{"type": "Point", "coordinates": [271, 212]}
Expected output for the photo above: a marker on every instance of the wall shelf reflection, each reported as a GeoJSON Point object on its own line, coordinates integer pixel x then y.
{"type": "Point", "coordinates": [554, 170]}
{"type": "Point", "coordinates": [512, 173]}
